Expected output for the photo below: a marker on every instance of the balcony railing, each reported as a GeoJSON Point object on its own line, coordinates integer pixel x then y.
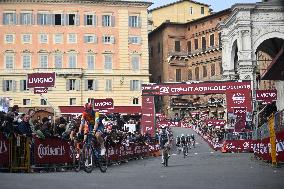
{"type": "Point", "coordinates": [198, 51]}
{"type": "Point", "coordinates": [60, 71]}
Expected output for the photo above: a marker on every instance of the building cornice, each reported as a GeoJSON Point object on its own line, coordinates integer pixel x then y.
{"type": "Point", "coordinates": [93, 2]}
{"type": "Point", "coordinates": [177, 2]}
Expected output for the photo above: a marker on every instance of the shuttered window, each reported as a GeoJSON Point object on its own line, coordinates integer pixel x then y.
{"type": "Point", "coordinates": [135, 85]}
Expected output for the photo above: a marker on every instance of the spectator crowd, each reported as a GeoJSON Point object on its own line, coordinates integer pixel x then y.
{"type": "Point", "coordinates": [14, 123]}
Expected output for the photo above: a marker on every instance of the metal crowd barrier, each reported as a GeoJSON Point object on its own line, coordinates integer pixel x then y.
{"type": "Point", "coordinates": [19, 153]}
{"type": "Point", "coordinates": [22, 154]}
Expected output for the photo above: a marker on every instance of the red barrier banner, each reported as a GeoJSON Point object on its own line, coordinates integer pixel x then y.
{"type": "Point", "coordinates": [4, 151]}
{"type": "Point", "coordinates": [41, 80]}
{"type": "Point", "coordinates": [52, 151]}
{"type": "Point", "coordinates": [262, 148]}
{"type": "Point", "coordinates": [241, 99]}
{"type": "Point", "coordinates": [168, 124]}
{"type": "Point", "coordinates": [148, 114]}
{"type": "Point", "coordinates": [103, 104]}
{"type": "Point", "coordinates": [121, 152]}
{"type": "Point", "coordinates": [238, 145]}
{"type": "Point", "coordinates": [194, 88]}
{"type": "Point", "coordinates": [215, 122]}
{"type": "Point", "coordinates": [266, 95]}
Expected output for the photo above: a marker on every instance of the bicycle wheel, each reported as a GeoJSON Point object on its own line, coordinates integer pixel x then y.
{"type": "Point", "coordinates": [88, 158]}
{"type": "Point", "coordinates": [102, 163]}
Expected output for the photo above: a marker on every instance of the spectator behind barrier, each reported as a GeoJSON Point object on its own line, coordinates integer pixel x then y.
{"type": "Point", "coordinates": [24, 127]}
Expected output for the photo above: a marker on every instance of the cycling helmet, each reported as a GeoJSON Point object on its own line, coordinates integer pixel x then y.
{"type": "Point", "coordinates": [182, 135]}
{"type": "Point", "coordinates": [97, 114]}
{"type": "Point", "coordinates": [163, 127]}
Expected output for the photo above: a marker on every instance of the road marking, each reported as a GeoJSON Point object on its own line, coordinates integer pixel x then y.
{"type": "Point", "coordinates": [195, 153]}
{"type": "Point", "coordinates": [174, 154]}
{"type": "Point", "coordinates": [212, 152]}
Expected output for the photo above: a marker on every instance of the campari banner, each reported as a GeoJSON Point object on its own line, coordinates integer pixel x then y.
{"type": "Point", "coordinates": [148, 114]}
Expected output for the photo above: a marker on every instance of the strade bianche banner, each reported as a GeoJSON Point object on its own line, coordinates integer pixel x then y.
{"type": "Point", "coordinates": [195, 88]}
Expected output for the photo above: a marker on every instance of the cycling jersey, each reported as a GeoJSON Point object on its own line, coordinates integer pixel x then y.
{"type": "Point", "coordinates": [183, 141]}
{"type": "Point", "coordinates": [178, 141]}
{"type": "Point", "coordinates": [100, 125]}
{"type": "Point", "coordinates": [88, 121]}
{"type": "Point", "coordinates": [164, 138]}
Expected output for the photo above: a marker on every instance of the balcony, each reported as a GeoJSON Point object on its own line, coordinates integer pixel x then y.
{"type": "Point", "coordinates": [204, 51]}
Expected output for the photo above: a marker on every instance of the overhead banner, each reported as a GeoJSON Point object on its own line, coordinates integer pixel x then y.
{"type": "Point", "coordinates": [168, 124]}
{"type": "Point", "coordinates": [215, 122]}
{"type": "Point", "coordinates": [103, 104]}
{"type": "Point", "coordinates": [194, 88]}
{"type": "Point", "coordinates": [41, 80]}
{"type": "Point", "coordinates": [266, 96]}
{"type": "Point", "coordinates": [148, 114]}
{"type": "Point", "coordinates": [237, 100]}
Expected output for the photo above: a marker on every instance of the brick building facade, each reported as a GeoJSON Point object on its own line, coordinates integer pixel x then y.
{"type": "Point", "coordinates": [187, 52]}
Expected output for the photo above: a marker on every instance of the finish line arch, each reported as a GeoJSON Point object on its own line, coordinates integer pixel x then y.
{"type": "Point", "coordinates": [238, 96]}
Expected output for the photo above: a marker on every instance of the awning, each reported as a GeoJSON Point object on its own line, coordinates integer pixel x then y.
{"type": "Point", "coordinates": [72, 110]}
{"type": "Point", "coordinates": [126, 109]}
{"type": "Point", "coordinates": [275, 70]}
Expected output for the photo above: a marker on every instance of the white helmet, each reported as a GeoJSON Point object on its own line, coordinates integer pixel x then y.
{"type": "Point", "coordinates": [163, 127]}
{"type": "Point", "coordinates": [182, 135]}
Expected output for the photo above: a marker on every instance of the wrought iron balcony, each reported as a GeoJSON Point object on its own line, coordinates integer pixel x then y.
{"type": "Point", "coordinates": [60, 71]}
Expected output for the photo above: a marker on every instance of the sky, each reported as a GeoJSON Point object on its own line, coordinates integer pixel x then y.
{"type": "Point", "coordinates": [216, 5]}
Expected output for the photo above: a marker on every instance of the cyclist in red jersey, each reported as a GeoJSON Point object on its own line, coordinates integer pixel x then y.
{"type": "Point", "coordinates": [90, 123]}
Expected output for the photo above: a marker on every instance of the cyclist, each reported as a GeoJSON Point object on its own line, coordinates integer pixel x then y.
{"type": "Point", "coordinates": [187, 139]}
{"type": "Point", "coordinates": [99, 130]}
{"type": "Point", "coordinates": [183, 142]}
{"type": "Point", "coordinates": [193, 140]}
{"type": "Point", "coordinates": [89, 123]}
{"type": "Point", "coordinates": [163, 140]}
{"type": "Point", "coordinates": [178, 144]}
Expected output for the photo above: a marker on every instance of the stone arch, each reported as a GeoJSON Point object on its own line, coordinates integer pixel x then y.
{"type": "Point", "coordinates": [264, 37]}
{"type": "Point", "coordinates": [234, 54]}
